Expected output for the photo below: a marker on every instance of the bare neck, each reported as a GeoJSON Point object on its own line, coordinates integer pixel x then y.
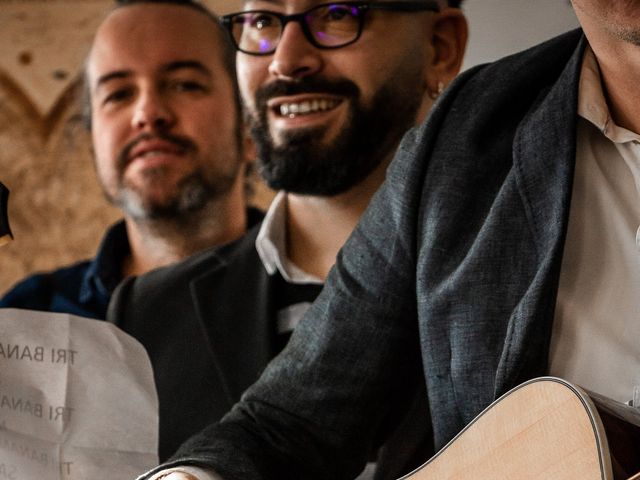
{"type": "Point", "coordinates": [317, 227]}
{"type": "Point", "coordinates": [156, 244]}
{"type": "Point", "coordinates": [619, 63]}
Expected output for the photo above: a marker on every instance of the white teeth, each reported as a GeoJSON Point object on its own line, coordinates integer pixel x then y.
{"type": "Point", "coordinates": [292, 110]}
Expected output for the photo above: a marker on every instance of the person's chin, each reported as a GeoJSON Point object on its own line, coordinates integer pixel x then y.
{"type": "Point", "coordinates": [312, 137]}
{"type": "Point", "coordinates": [144, 202]}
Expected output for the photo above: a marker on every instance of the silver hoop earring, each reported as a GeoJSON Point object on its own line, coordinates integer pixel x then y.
{"type": "Point", "coordinates": [435, 94]}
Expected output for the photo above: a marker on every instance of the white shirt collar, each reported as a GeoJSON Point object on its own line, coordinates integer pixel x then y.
{"type": "Point", "coordinates": [592, 105]}
{"type": "Point", "coordinates": [271, 244]}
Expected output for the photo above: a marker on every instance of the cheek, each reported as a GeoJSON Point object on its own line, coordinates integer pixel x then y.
{"type": "Point", "coordinates": [253, 72]}
{"type": "Point", "coordinates": [107, 143]}
{"type": "Point", "coordinates": [108, 130]}
{"type": "Point", "coordinates": [365, 67]}
{"type": "Point", "coordinates": [213, 124]}
{"type": "Point", "coordinates": [392, 70]}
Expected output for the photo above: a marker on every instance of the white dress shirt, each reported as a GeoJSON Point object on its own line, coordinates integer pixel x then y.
{"type": "Point", "coordinates": [596, 331]}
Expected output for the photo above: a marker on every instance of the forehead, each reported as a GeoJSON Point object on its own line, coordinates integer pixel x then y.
{"type": "Point", "coordinates": [147, 36]}
{"type": "Point", "coordinates": [284, 5]}
{"type": "Point", "coordinates": [288, 6]}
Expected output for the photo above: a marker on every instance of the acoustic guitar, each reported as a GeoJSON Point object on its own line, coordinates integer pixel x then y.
{"type": "Point", "coordinates": [5, 231]}
{"type": "Point", "coordinates": [544, 429]}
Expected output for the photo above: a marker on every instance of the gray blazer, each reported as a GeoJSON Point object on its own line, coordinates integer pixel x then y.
{"type": "Point", "coordinates": [209, 329]}
{"type": "Point", "coordinates": [452, 274]}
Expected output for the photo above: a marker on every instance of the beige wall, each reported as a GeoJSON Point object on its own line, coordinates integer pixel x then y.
{"type": "Point", "coordinates": [501, 27]}
{"type": "Point", "coordinates": [56, 209]}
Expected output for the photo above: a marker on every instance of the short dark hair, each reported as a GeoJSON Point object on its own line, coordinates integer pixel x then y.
{"type": "Point", "coordinates": [455, 3]}
{"type": "Point", "coordinates": [228, 51]}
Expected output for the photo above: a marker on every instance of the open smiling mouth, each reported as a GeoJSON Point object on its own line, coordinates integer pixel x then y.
{"type": "Point", "coordinates": [306, 107]}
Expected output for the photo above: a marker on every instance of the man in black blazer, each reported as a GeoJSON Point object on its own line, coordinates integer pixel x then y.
{"type": "Point", "coordinates": [326, 122]}
{"type": "Point", "coordinates": [507, 215]}
{"type": "Point", "coordinates": [162, 106]}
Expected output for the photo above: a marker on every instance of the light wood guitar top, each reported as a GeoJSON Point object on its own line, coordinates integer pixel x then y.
{"type": "Point", "coordinates": [544, 429]}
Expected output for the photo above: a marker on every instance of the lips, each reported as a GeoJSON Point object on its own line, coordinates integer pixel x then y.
{"type": "Point", "coordinates": [148, 148]}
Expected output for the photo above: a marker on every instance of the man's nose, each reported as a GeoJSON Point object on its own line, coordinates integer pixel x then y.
{"type": "Point", "coordinates": [295, 57]}
{"type": "Point", "coordinates": [152, 112]}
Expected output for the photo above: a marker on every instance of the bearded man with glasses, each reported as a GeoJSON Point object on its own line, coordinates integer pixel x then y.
{"type": "Point", "coordinates": [328, 25]}
{"type": "Point", "coordinates": [503, 246]}
{"type": "Point", "coordinates": [328, 89]}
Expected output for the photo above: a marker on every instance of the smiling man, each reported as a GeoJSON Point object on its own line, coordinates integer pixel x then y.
{"type": "Point", "coordinates": [329, 89]}
{"type": "Point", "coordinates": [163, 112]}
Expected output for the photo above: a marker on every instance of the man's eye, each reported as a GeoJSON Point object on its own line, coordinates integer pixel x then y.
{"type": "Point", "coordinates": [188, 86]}
{"type": "Point", "coordinates": [261, 22]}
{"type": "Point", "coordinates": [338, 12]}
{"type": "Point", "coordinates": [117, 96]}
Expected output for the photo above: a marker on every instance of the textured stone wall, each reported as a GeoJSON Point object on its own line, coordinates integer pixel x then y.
{"type": "Point", "coordinates": [56, 208]}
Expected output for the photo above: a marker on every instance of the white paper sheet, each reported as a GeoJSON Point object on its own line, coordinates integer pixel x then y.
{"type": "Point", "coordinates": [77, 400]}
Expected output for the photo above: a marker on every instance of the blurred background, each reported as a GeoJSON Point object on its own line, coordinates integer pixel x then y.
{"type": "Point", "coordinates": [57, 211]}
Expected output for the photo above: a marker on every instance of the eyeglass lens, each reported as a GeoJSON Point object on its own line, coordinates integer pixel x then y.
{"type": "Point", "coordinates": [329, 25]}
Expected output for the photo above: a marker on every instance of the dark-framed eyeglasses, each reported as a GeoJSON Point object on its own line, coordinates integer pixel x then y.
{"type": "Point", "coordinates": [328, 25]}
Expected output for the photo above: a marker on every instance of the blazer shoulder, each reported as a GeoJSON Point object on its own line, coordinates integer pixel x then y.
{"type": "Point", "coordinates": [521, 76]}
{"type": "Point", "coordinates": [173, 281]}
{"type": "Point", "coordinates": [205, 261]}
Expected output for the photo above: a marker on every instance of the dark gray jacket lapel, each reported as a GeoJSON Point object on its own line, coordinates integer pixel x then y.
{"type": "Point", "coordinates": [239, 331]}
{"type": "Point", "coordinates": [544, 159]}
{"type": "Point", "coordinates": [204, 323]}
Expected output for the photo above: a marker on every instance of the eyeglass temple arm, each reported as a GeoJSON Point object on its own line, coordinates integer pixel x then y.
{"type": "Point", "coordinates": [407, 6]}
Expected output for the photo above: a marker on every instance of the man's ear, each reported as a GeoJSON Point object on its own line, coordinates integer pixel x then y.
{"type": "Point", "coordinates": [449, 42]}
{"type": "Point", "coordinates": [249, 150]}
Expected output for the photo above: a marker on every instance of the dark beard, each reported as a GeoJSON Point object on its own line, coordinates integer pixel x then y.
{"type": "Point", "coordinates": [194, 192]}
{"type": "Point", "coordinates": [305, 165]}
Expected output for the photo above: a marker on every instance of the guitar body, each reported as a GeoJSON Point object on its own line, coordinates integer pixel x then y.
{"type": "Point", "coordinates": [545, 429]}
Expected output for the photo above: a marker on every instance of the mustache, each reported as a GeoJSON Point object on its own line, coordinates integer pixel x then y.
{"type": "Point", "coordinates": [277, 88]}
{"type": "Point", "coordinates": [179, 141]}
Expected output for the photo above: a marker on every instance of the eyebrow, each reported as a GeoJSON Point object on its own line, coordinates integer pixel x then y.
{"type": "Point", "coordinates": [171, 67]}
{"type": "Point", "coordinates": [106, 78]}
{"type": "Point", "coordinates": [187, 64]}
{"type": "Point", "coordinates": [272, 2]}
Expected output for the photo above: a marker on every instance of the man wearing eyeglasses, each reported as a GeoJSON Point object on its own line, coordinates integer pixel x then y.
{"type": "Point", "coordinates": [329, 90]}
